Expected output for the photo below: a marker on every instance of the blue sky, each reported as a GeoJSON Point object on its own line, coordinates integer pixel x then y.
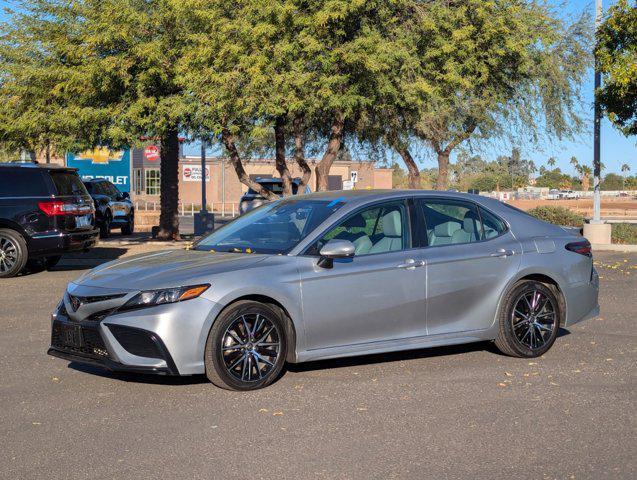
{"type": "Point", "coordinates": [615, 148]}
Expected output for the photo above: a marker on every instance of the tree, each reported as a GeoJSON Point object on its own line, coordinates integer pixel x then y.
{"type": "Point", "coordinates": [625, 170]}
{"type": "Point", "coordinates": [574, 163]}
{"type": "Point", "coordinates": [612, 181]}
{"type": "Point", "coordinates": [616, 56]}
{"type": "Point", "coordinates": [551, 162]}
{"type": "Point", "coordinates": [585, 173]}
{"type": "Point", "coordinates": [488, 69]}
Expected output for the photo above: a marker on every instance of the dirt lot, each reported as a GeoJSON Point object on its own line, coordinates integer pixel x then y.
{"type": "Point", "coordinates": [611, 207]}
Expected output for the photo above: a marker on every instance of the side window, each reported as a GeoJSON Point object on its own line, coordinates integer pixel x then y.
{"type": "Point", "coordinates": [450, 222]}
{"type": "Point", "coordinates": [377, 229]}
{"type": "Point", "coordinates": [491, 224]}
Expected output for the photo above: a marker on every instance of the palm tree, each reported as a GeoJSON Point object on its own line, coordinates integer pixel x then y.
{"type": "Point", "coordinates": [625, 170]}
{"type": "Point", "coordinates": [585, 175]}
{"type": "Point", "coordinates": [575, 163]}
{"type": "Point", "coordinates": [551, 162]}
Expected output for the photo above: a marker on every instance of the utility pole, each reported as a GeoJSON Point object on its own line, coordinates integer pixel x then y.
{"type": "Point", "coordinates": [204, 221]}
{"type": "Point", "coordinates": [203, 178]}
{"type": "Point", "coordinates": [597, 124]}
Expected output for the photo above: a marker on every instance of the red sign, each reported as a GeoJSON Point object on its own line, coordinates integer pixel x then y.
{"type": "Point", "coordinates": [151, 153]}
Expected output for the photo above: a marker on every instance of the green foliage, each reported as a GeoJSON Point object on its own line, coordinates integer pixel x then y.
{"type": "Point", "coordinates": [555, 179]}
{"type": "Point", "coordinates": [558, 216]}
{"type": "Point", "coordinates": [624, 233]}
{"type": "Point", "coordinates": [612, 181]}
{"type": "Point", "coordinates": [616, 54]}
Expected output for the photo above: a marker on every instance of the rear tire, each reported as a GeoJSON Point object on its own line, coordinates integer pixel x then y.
{"type": "Point", "coordinates": [529, 320]}
{"type": "Point", "coordinates": [13, 253]}
{"type": "Point", "coordinates": [240, 358]}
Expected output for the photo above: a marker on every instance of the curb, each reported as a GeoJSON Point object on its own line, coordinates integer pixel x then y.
{"type": "Point", "coordinates": [615, 247]}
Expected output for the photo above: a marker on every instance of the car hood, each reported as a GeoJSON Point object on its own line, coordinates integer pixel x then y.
{"type": "Point", "coordinates": [168, 268]}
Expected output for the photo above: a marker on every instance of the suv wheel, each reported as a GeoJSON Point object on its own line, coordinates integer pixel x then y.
{"type": "Point", "coordinates": [105, 225]}
{"type": "Point", "coordinates": [530, 318]}
{"type": "Point", "coordinates": [246, 347]}
{"type": "Point", "coordinates": [13, 253]}
{"type": "Point", "coordinates": [130, 226]}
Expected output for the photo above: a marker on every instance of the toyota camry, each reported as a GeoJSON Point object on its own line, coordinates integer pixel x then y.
{"type": "Point", "coordinates": [332, 274]}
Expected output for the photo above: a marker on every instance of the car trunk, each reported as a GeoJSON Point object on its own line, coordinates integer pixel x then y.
{"type": "Point", "coordinates": [72, 210]}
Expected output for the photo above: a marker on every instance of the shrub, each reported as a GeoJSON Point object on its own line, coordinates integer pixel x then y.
{"type": "Point", "coordinates": [624, 233]}
{"type": "Point", "coordinates": [557, 215]}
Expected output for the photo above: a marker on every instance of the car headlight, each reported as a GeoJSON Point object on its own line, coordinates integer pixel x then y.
{"type": "Point", "coordinates": [150, 298]}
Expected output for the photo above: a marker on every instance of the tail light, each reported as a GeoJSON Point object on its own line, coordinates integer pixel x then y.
{"type": "Point", "coordinates": [55, 207]}
{"type": "Point", "coordinates": [583, 248]}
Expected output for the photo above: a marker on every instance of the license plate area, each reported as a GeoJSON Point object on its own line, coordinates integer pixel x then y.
{"type": "Point", "coordinates": [70, 336]}
{"type": "Point", "coordinates": [83, 221]}
{"type": "Point", "coordinates": [83, 340]}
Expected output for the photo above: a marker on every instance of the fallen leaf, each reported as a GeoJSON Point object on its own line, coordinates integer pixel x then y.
{"type": "Point", "coordinates": [502, 384]}
{"type": "Point", "coordinates": [263, 410]}
{"type": "Point", "coordinates": [508, 374]}
{"type": "Point", "coordinates": [277, 414]}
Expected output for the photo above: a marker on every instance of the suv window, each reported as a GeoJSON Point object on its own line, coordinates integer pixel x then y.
{"type": "Point", "coordinates": [376, 229]}
{"type": "Point", "coordinates": [27, 182]}
{"type": "Point", "coordinates": [68, 183]}
{"type": "Point", "coordinates": [450, 222]}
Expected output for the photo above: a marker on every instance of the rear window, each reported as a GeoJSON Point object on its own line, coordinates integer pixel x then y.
{"type": "Point", "coordinates": [274, 187]}
{"type": "Point", "coordinates": [68, 183]}
{"type": "Point", "coordinates": [22, 183]}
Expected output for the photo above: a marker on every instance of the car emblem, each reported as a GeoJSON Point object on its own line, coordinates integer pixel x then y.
{"type": "Point", "coordinates": [75, 302]}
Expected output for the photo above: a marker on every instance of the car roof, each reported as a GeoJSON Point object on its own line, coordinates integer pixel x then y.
{"type": "Point", "coordinates": [273, 180]}
{"type": "Point", "coordinates": [41, 166]}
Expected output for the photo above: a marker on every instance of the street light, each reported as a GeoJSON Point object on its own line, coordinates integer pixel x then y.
{"type": "Point", "coordinates": [204, 220]}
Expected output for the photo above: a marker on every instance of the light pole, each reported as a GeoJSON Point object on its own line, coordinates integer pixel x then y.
{"type": "Point", "coordinates": [204, 221]}
{"type": "Point", "coordinates": [203, 178]}
{"type": "Point", "coordinates": [596, 128]}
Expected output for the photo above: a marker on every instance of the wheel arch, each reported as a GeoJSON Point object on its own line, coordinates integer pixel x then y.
{"type": "Point", "coordinates": [290, 334]}
{"type": "Point", "coordinates": [4, 223]}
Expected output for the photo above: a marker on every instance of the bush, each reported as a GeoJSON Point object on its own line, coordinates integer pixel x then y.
{"type": "Point", "coordinates": [624, 233]}
{"type": "Point", "coordinates": [558, 215]}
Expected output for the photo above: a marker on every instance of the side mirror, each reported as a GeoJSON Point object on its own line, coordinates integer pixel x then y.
{"type": "Point", "coordinates": [125, 195]}
{"type": "Point", "coordinates": [335, 249]}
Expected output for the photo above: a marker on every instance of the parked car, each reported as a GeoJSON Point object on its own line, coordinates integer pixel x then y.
{"type": "Point", "coordinates": [569, 195]}
{"type": "Point", "coordinates": [332, 274]}
{"type": "Point", "coordinates": [252, 199]}
{"type": "Point", "coordinates": [45, 211]}
{"type": "Point", "coordinates": [554, 194]}
{"type": "Point", "coordinates": [113, 209]}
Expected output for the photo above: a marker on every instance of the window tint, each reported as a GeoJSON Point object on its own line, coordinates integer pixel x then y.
{"type": "Point", "coordinates": [22, 183]}
{"type": "Point", "coordinates": [68, 183]}
{"type": "Point", "coordinates": [450, 222]}
{"type": "Point", "coordinates": [491, 224]}
{"type": "Point", "coordinates": [377, 229]}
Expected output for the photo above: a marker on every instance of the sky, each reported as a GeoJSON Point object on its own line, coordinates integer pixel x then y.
{"type": "Point", "coordinates": [616, 149]}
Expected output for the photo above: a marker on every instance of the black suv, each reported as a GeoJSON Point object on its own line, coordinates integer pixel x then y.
{"type": "Point", "coordinates": [113, 209]}
{"type": "Point", "coordinates": [44, 211]}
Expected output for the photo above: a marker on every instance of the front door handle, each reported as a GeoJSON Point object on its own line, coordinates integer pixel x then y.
{"type": "Point", "coordinates": [503, 253]}
{"type": "Point", "coordinates": [410, 264]}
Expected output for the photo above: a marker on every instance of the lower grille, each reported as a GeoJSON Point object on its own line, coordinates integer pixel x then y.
{"type": "Point", "coordinates": [83, 340]}
{"type": "Point", "coordinates": [137, 341]}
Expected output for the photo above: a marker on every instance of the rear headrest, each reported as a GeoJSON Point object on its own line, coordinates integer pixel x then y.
{"type": "Point", "coordinates": [446, 229]}
{"type": "Point", "coordinates": [392, 225]}
{"type": "Point", "coordinates": [357, 221]}
{"type": "Point", "coordinates": [470, 222]}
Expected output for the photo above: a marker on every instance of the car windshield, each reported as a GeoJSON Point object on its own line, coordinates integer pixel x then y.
{"type": "Point", "coordinates": [276, 227]}
{"type": "Point", "coordinates": [274, 187]}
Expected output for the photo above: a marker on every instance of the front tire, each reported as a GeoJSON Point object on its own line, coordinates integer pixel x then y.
{"type": "Point", "coordinates": [13, 253]}
{"type": "Point", "coordinates": [105, 226]}
{"type": "Point", "coordinates": [130, 225]}
{"type": "Point", "coordinates": [246, 347]}
{"type": "Point", "coordinates": [529, 320]}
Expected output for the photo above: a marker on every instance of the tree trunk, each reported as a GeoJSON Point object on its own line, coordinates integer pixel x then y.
{"type": "Point", "coordinates": [333, 146]}
{"type": "Point", "coordinates": [33, 156]}
{"type": "Point", "coordinates": [279, 157]}
{"type": "Point", "coordinates": [228, 142]}
{"type": "Point", "coordinates": [299, 153]}
{"type": "Point", "coordinates": [414, 173]}
{"type": "Point", "coordinates": [169, 190]}
{"type": "Point", "coordinates": [442, 183]}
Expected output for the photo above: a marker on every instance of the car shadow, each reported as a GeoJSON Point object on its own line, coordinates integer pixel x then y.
{"type": "Point", "coordinates": [146, 378]}
{"type": "Point", "coordinates": [76, 261]}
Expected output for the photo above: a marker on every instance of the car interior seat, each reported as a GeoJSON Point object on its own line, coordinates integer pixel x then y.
{"type": "Point", "coordinates": [391, 239]}
{"type": "Point", "coordinates": [443, 232]}
{"type": "Point", "coordinates": [469, 231]}
{"type": "Point", "coordinates": [361, 241]}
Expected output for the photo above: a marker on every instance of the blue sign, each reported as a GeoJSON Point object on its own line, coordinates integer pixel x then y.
{"type": "Point", "coordinates": [101, 162]}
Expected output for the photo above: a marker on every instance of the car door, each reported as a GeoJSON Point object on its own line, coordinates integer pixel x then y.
{"type": "Point", "coordinates": [377, 295]}
{"type": "Point", "coordinates": [470, 258]}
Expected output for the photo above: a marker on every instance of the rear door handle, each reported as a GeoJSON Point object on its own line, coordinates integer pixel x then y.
{"type": "Point", "coordinates": [410, 264]}
{"type": "Point", "coordinates": [503, 253]}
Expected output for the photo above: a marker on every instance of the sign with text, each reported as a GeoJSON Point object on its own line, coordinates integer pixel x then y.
{"type": "Point", "coordinates": [192, 173]}
{"type": "Point", "coordinates": [102, 162]}
{"type": "Point", "coordinates": [151, 153]}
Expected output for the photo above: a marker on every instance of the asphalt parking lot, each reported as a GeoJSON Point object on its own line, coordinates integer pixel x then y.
{"type": "Point", "coordinates": [461, 412]}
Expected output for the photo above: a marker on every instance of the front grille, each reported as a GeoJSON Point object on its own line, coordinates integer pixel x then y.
{"type": "Point", "coordinates": [138, 341]}
{"type": "Point", "coordinates": [83, 340]}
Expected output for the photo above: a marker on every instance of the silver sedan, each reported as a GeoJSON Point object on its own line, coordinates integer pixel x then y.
{"type": "Point", "coordinates": [329, 275]}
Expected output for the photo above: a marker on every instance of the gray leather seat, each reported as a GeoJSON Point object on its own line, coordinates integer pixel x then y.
{"type": "Point", "coordinates": [469, 231]}
{"type": "Point", "coordinates": [362, 243]}
{"type": "Point", "coordinates": [443, 232]}
{"type": "Point", "coordinates": [392, 234]}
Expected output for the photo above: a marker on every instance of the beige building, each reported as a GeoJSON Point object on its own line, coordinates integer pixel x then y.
{"type": "Point", "coordinates": [222, 184]}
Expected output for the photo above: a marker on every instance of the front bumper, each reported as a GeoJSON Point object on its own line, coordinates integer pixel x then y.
{"type": "Point", "coordinates": [165, 339]}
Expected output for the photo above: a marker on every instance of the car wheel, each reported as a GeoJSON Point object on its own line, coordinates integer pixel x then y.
{"type": "Point", "coordinates": [246, 347]}
{"type": "Point", "coordinates": [13, 253]}
{"type": "Point", "coordinates": [130, 226]}
{"type": "Point", "coordinates": [105, 226]}
{"type": "Point", "coordinates": [529, 319]}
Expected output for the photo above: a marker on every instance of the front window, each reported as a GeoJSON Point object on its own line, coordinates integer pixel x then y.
{"type": "Point", "coordinates": [153, 181]}
{"type": "Point", "coordinates": [276, 227]}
